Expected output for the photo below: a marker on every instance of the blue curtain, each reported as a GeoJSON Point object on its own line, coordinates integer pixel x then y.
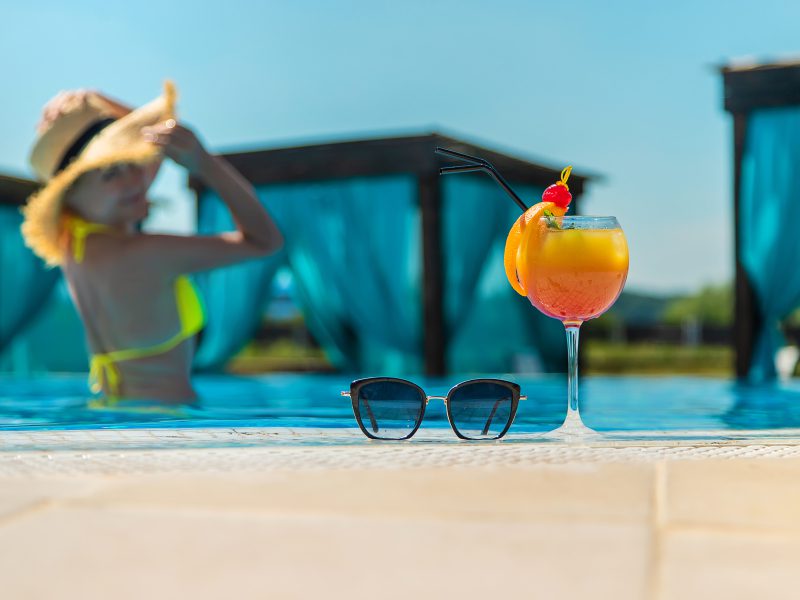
{"type": "Point", "coordinates": [769, 213]}
{"type": "Point", "coordinates": [25, 283]}
{"type": "Point", "coordinates": [353, 247]}
{"type": "Point", "coordinates": [234, 296]}
{"type": "Point", "coordinates": [490, 327]}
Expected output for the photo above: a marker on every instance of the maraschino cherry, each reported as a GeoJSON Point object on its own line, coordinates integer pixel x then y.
{"type": "Point", "coordinates": [558, 193]}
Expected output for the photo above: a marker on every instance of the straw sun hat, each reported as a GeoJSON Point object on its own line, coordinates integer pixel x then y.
{"type": "Point", "coordinates": [80, 134]}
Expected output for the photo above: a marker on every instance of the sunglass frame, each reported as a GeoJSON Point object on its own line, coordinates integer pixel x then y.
{"type": "Point", "coordinates": [356, 386]}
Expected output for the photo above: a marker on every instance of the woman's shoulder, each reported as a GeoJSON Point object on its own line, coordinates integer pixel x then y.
{"type": "Point", "coordinates": [112, 254]}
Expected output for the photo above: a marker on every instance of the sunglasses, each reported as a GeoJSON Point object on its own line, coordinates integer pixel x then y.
{"type": "Point", "coordinates": [387, 408]}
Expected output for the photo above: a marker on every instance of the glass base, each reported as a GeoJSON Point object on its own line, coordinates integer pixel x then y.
{"type": "Point", "coordinates": [573, 430]}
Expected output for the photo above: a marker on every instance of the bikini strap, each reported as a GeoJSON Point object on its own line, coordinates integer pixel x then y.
{"type": "Point", "coordinates": [78, 229]}
{"type": "Point", "coordinates": [102, 368]}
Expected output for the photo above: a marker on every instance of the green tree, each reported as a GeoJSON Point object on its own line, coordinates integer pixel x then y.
{"type": "Point", "coordinates": [712, 305]}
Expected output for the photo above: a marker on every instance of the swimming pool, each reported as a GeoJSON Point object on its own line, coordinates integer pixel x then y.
{"type": "Point", "coordinates": [608, 404]}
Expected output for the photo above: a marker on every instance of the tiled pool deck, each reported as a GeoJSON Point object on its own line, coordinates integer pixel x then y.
{"type": "Point", "coordinates": [276, 514]}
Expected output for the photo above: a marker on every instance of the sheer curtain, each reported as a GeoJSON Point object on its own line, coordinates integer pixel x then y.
{"type": "Point", "coordinates": [25, 283]}
{"type": "Point", "coordinates": [491, 328]}
{"type": "Point", "coordinates": [234, 296]}
{"type": "Point", "coordinates": [769, 214]}
{"type": "Point", "coordinates": [353, 247]}
{"type": "Point", "coordinates": [353, 250]}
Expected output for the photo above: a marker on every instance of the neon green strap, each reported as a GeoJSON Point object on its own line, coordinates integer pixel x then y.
{"type": "Point", "coordinates": [79, 229]}
{"type": "Point", "coordinates": [190, 306]}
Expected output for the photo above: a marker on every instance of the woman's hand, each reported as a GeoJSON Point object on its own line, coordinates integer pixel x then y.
{"type": "Point", "coordinates": [70, 100]}
{"type": "Point", "coordinates": [61, 104]}
{"type": "Point", "coordinates": [179, 143]}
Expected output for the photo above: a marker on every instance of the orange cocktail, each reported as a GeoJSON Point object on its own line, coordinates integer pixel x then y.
{"type": "Point", "coordinates": [575, 268]}
{"type": "Point", "coordinates": [570, 268]}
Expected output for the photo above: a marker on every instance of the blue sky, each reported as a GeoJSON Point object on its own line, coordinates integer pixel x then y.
{"type": "Point", "coordinates": [626, 89]}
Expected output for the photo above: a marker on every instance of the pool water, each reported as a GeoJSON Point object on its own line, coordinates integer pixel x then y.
{"type": "Point", "coordinates": [313, 401]}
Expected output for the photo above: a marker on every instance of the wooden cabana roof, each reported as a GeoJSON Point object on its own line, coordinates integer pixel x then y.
{"type": "Point", "coordinates": [15, 190]}
{"type": "Point", "coordinates": [752, 86]}
{"type": "Point", "coordinates": [383, 156]}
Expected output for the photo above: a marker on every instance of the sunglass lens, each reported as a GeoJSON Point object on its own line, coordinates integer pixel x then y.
{"type": "Point", "coordinates": [390, 410]}
{"type": "Point", "coordinates": [480, 410]}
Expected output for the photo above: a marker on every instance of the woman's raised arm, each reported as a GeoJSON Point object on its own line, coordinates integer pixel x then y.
{"type": "Point", "coordinates": [256, 233]}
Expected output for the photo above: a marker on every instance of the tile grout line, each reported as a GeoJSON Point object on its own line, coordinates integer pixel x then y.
{"type": "Point", "coordinates": [54, 501]}
{"type": "Point", "coordinates": [27, 511]}
{"type": "Point", "coordinates": [658, 531]}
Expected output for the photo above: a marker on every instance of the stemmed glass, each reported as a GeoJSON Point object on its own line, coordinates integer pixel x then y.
{"type": "Point", "coordinates": [573, 270]}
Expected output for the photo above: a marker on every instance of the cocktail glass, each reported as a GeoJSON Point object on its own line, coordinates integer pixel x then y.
{"type": "Point", "coordinates": [573, 269]}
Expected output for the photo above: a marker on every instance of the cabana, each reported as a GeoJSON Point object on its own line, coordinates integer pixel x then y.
{"type": "Point", "coordinates": [765, 103]}
{"type": "Point", "coordinates": [398, 268]}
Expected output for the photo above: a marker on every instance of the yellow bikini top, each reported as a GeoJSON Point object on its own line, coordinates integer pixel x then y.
{"type": "Point", "coordinates": [190, 310]}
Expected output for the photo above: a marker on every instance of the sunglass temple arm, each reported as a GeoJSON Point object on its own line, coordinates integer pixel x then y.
{"type": "Point", "coordinates": [369, 412]}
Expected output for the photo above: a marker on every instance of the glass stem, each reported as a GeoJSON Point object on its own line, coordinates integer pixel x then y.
{"type": "Point", "coordinates": [573, 330]}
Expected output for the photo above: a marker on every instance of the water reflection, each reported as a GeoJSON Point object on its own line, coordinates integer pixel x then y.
{"type": "Point", "coordinates": [774, 406]}
{"type": "Point", "coordinates": [608, 404]}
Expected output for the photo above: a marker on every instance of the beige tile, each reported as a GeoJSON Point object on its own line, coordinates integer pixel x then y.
{"type": "Point", "coordinates": [598, 492]}
{"type": "Point", "coordinates": [704, 564]}
{"type": "Point", "coordinates": [19, 496]}
{"type": "Point", "coordinates": [115, 553]}
{"type": "Point", "coordinates": [756, 494]}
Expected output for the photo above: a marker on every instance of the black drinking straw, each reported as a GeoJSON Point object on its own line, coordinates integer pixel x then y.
{"type": "Point", "coordinates": [473, 163]}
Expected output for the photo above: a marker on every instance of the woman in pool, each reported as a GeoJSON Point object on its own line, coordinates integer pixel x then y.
{"type": "Point", "coordinates": [97, 159]}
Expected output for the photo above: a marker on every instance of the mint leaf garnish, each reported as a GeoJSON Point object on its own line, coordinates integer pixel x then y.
{"type": "Point", "coordinates": [552, 223]}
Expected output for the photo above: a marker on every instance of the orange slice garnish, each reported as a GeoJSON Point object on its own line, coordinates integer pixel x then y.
{"type": "Point", "coordinates": [529, 218]}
